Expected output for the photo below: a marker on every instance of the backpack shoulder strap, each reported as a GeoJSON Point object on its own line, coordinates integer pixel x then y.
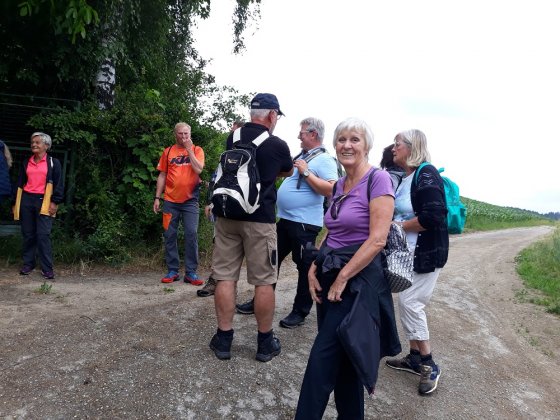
{"type": "Point", "coordinates": [369, 181]}
{"type": "Point", "coordinates": [314, 154]}
{"type": "Point", "coordinates": [417, 173]}
{"type": "Point", "coordinates": [261, 139]}
{"type": "Point", "coordinates": [237, 135]}
{"type": "Point", "coordinates": [256, 142]}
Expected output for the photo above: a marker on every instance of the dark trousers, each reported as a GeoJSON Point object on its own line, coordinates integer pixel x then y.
{"type": "Point", "coordinates": [293, 237]}
{"type": "Point", "coordinates": [35, 230]}
{"type": "Point", "coordinates": [329, 367]}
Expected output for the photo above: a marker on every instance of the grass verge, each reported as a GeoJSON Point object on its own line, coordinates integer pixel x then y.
{"type": "Point", "coordinates": [539, 267]}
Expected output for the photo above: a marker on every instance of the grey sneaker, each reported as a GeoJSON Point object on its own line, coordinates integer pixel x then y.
{"type": "Point", "coordinates": [429, 377]}
{"type": "Point", "coordinates": [407, 364]}
{"type": "Point", "coordinates": [208, 289]}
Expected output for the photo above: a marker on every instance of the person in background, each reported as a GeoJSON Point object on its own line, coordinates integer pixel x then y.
{"type": "Point", "coordinates": [5, 165]}
{"type": "Point", "coordinates": [421, 210]}
{"type": "Point", "coordinates": [387, 164]}
{"type": "Point", "coordinates": [39, 192]}
{"type": "Point", "coordinates": [179, 169]}
{"type": "Point", "coordinates": [210, 285]}
{"type": "Point", "coordinates": [300, 213]}
{"type": "Point", "coordinates": [355, 314]}
{"type": "Point", "coordinates": [252, 237]}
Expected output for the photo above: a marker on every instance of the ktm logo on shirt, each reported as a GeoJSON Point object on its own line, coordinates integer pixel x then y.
{"type": "Point", "coordinates": [180, 160]}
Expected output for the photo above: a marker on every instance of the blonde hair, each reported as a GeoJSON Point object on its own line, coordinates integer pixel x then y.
{"type": "Point", "coordinates": [181, 124]}
{"type": "Point", "coordinates": [416, 141]}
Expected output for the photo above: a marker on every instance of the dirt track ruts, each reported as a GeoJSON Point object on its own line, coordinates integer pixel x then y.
{"type": "Point", "coordinates": [116, 346]}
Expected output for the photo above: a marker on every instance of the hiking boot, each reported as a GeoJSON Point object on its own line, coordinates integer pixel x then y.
{"type": "Point", "coordinates": [170, 277]}
{"type": "Point", "coordinates": [246, 308]}
{"type": "Point", "coordinates": [267, 349]}
{"type": "Point", "coordinates": [293, 320]}
{"type": "Point", "coordinates": [429, 377]}
{"type": "Point", "coordinates": [406, 364]}
{"type": "Point", "coordinates": [221, 347]}
{"type": "Point", "coordinates": [25, 270]}
{"type": "Point", "coordinates": [49, 275]}
{"type": "Point", "coordinates": [193, 279]}
{"type": "Point", "coordinates": [208, 289]}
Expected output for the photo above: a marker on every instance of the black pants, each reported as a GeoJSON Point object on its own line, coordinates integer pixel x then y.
{"type": "Point", "coordinates": [293, 237]}
{"type": "Point", "coordinates": [36, 230]}
{"type": "Point", "coordinates": [329, 368]}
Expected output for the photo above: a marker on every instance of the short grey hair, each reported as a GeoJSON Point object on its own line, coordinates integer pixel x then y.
{"type": "Point", "coordinates": [260, 113]}
{"type": "Point", "coordinates": [44, 137]}
{"type": "Point", "coordinates": [355, 124]}
{"type": "Point", "coordinates": [416, 141]}
{"type": "Point", "coordinates": [316, 125]}
{"type": "Point", "coordinates": [181, 124]}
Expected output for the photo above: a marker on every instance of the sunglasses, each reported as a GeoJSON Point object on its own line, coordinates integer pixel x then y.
{"type": "Point", "coordinates": [335, 206]}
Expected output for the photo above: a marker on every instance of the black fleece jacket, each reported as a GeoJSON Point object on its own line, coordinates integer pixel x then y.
{"type": "Point", "coordinates": [428, 202]}
{"type": "Point", "coordinates": [54, 175]}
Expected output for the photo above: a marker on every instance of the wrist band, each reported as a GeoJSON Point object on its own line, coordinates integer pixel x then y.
{"type": "Point", "coordinates": [157, 198]}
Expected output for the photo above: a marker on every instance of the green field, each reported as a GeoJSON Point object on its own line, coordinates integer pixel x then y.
{"type": "Point", "coordinates": [484, 216]}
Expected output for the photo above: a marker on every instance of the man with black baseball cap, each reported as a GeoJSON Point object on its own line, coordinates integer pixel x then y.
{"type": "Point", "coordinates": [266, 101]}
{"type": "Point", "coordinates": [252, 236]}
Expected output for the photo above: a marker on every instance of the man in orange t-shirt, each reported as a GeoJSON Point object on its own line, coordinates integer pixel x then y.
{"type": "Point", "coordinates": [180, 166]}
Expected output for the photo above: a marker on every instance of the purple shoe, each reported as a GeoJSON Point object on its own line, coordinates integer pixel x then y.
{"type": "Point", "coordinates": [25, 270]}
{"type": "Point", "coordinates": [49, 275]}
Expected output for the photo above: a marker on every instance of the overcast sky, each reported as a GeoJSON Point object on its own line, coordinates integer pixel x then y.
{"type": "Point", "coordinates": [480, 78]}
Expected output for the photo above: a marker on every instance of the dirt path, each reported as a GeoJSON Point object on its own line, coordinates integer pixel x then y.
{"type": "Point", "coordinates": [118, 346]}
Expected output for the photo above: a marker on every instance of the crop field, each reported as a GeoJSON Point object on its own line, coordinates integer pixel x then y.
{"type": "Point", "coordinates": [484, 216]}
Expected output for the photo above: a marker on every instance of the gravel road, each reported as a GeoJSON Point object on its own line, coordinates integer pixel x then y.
{"type": "Point", "coordinates": [115, 345]}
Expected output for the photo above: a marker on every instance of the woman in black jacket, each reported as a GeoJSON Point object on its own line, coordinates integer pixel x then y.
{"type": "Point", "coordinates": [40, 191]}
{"type": "Point", "coordinates": [421, 210]}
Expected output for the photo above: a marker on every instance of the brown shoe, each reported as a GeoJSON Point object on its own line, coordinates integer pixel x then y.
{"type": "Point", "coordinates": [208, 289]}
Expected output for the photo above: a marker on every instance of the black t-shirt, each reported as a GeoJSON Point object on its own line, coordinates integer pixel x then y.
{"type": "Point", "coordinates": [273, 157]}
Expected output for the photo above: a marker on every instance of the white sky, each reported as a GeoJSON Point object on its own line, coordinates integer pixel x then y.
{"type": "Point", "coordinates": [481, 78]}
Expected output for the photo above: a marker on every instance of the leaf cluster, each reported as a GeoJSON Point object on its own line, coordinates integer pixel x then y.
{"type": "Point", "coordinates": [56, 50]}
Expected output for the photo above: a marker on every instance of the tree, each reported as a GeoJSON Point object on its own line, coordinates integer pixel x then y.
{"type": "Point", "coordinates": [143, 51]}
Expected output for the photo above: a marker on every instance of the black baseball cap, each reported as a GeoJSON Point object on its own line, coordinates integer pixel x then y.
{"type": "Point", "coordinates": [266, 101]}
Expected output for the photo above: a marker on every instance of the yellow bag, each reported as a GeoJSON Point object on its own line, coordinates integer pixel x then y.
{"type": "Point", "coordinates": [18, 203]}
{"type": "Point", "coordinates": [47, 200]}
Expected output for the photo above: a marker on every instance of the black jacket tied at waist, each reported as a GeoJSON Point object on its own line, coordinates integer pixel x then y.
{"type": "Point", "coordinates": [369, 331]}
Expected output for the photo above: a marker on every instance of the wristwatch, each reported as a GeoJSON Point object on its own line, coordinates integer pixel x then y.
{"type": "Point", "coordinates": [306, 173]}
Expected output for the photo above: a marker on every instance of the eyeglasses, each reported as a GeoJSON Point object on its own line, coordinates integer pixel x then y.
{"type": "Point", "coordinates": [301, 133]}
{"type": "Point", "coordinates": [335, 206]}
{"type": "Point", "coordinates": [278, 115]}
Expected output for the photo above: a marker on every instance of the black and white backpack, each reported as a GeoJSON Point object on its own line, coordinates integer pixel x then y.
{"type": "Point", "coordinates": [238, 185]}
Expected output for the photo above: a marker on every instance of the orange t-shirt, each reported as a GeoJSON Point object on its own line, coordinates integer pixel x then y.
{"type": "Point", "coordinates": [181, 180]}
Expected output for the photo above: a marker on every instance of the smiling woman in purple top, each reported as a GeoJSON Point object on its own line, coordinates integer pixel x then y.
{"type": "Point", "coordinates": [355, 311]}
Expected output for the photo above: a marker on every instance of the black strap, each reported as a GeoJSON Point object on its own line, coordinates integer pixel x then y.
{"type": "Point", "coordinates": [314, 153]}
{"type": "Point", "coordinates": [369, 181]}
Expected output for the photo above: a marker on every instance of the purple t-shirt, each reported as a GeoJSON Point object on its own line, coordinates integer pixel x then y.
{"type": "Point", "coordinates": [352, 224]}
